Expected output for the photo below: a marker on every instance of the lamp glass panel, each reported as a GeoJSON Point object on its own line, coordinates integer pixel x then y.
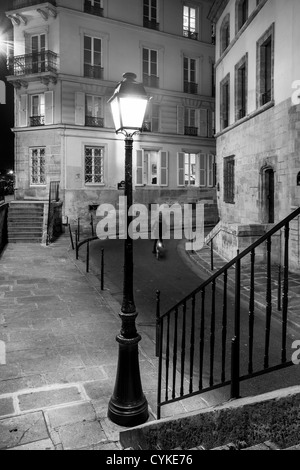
{"type": "Point", "coordinates": [132, 111]}
{"type": "Point", "coordinates": [116, 113]}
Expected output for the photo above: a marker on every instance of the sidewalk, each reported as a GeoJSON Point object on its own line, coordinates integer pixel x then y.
{"type": "Point", "coordinates": [202, 259]}
{"type": "Point", "coordinates": [59, 331]}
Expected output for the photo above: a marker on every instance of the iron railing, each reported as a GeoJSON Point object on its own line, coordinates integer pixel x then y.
{"type": "Point", "coordinates": [29, 64]}
{"type": "Point", "coordinates": [53, 198]}
{"type": "Point", "coordinates": [187, 335]}
{"type": "Point", "coordinates": [37, 121]}
{"type": "Point", "coordinates": [151, 24]}
{"type": "Point", "coordinates": [93, 71]}
{"type": "Point", "coordinates": [92, 121]}
{"type": "Point", "coordinates": [266, 97]}
{"type": "Point", "coordinates": [188, 130]}
{"type": "Point", "coordinates": [147, 127]}
{"type": "Point", "coordinates": [28, 3]}
{"type": "Point", "coordinates": [190, 87]}
{"type": "Point", "coordinates": [151, 80]}
{"type": "Point", "coordinates": [92, 10]}
{"type": "Point", "coordinates": [190, 34]}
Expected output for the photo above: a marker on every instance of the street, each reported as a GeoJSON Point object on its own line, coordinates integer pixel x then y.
{"type": "Point", "coordinates": [175, 276]}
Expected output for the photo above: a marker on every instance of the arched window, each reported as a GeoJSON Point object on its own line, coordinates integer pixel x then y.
{"type": "Point", "coordinates": [241, 13]}
{"type": "Point", "coordinates": [225, 33]}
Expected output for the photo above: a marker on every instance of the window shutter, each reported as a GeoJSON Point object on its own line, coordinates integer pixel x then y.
{"type": "Point", "coordinates": [48, 107]}
{"type": "Point", "coordinates": [139, 167]}
{"type": "Point", "coordinates": [180, 169]}
{"type": "Point", "coordinates": [210, 170]}
{"type": "Point", "coordinates": [202, 169]}
{"type": "Point", "coordinates": [180, 120]}
{"type": "Point", "coordinates": [23, 111]}
{"type": "Point", "coordinates": [80, 109]}
{"type": "Point", "coordinates": [155, 118]}
{"type": "Point", "coordinates": [203, 125]}
{"type": "Point", "coordinates": [164, 168]}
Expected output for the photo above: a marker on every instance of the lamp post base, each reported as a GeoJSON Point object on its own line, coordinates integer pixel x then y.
{"type": "Point", "coordinates": [128, 406]}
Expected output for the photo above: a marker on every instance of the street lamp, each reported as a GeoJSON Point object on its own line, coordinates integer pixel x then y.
{"type": "Point", "coordinates": [128, 405]}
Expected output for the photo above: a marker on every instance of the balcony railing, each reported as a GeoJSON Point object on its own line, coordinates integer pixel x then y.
{"type": "Point", "coordinates": [190, 87]}
{"type": "Point", "coordinates": [37, 121]}
{"type": "Point", "coordinates": [190, 131]}
{"type": "Point", "coordinates": [93, 71]}
{"type": "Point", "coordinates": [151, 80]}
{"type": "Point", "coordinates": [28, 64]}
{"type": "Point", "coordinates": [29, 3]}
{"type": "Point", "coordinates": [241, 113]}
{"type": "Point", "coordinates": [92, 121]}
{"type": "Point", "coordinates": [190, 34]}
{"type": "Point", "coordinates": [151, 24]}
{"type": "Point", "coordinates": [147, 126]}
{"type": "Point", "coordinates": [92, 10]}
{"type": "Point", "coordinates": [266, 97]}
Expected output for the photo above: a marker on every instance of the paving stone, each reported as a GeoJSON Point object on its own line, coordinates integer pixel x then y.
{"type": "Point", "coordinates": [98, 389]}
{"type": "Point", "coordinates": [71, 414]}
{"type": "Point", "coordinates": [22, 430]}
{"type": "Point", "coordinates": [6, 406]}
{"type": "Point", "coordinates": [81, 435]}
{"type": "Point", "coordinates": [46, 444]}
{"type": "Point", "coordinates": [22, 383]}
{"type": "Point", "coordinates": [44, 399]}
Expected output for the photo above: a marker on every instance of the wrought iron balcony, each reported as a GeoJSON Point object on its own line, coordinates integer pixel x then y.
{"type": "Point", "coordinates": [35, 63]}
{"type": "Point", "coordinates": [190, 130]}
{"type": "Point", "coordinates": [151, 24]}
{"type": "Point", "coordinates": [190, 34]}
{"type": "Point", "coordinates": [151, 80]}
{"type": "Point", "coordinates": [266, 97]}
{"type": "Point", "coordinates": [92, 10]}
{"type": "Point", "coordinates": [241, 113]}
{"type": "Point", "coordinates": [190, 87]}
{"type": "Point", "coordinates": [37, 121]}
{"type": "Point", "coordinates": [92, 121]}
{"type": "Point", "coordinates": [147, 126]}
{"type": "Point", "coordinates": [93, 71]}
{"type": "Point", "coordinates": [29, 3]}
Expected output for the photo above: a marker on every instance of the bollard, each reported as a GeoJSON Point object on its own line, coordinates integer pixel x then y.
{"type": "Point", "coordinates": [158, 330]}
{"type": "Point", "coordinates": [102, 269]}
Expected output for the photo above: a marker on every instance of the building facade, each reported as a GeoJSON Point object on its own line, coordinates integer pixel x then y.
{"type": "Point", "coordinates": [257, 120]}
{"type": "Point", "coordinates": [68, 57]}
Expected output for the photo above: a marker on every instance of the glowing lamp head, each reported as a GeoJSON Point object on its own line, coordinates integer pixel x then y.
{"type": "Point", "coordinates": [128, 104]}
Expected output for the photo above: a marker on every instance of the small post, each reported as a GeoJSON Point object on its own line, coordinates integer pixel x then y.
{"type": "Point", "coordinates": [78, 232]}
{"type": "Point", "coordinates": [158, 329]}
{"type": "Point", "coordinates": [212, 254]}
{"type": "Point", "coordinates": [102, 269]}
{"type": "Point", "coordinates": [87, 256]}
{"type": "Point", "coordinates": [71, 237]}
{"type": "Point", "coordinates": [279, 289]}
{"type": "Point", "coordinates": [76, 242]}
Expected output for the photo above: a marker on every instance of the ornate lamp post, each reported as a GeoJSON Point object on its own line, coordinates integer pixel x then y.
{"type": "Point", "coordinates": [128, 405]}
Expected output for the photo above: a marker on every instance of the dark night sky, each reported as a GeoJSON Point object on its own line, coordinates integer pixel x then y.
{"type": "Point", "coordinates": [6, 111]}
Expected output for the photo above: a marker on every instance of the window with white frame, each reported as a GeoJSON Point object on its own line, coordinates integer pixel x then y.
{"type": "Point", "coordinates": [93, 7]}
{"type": "Point", "coordinates": [38, 166]}
{"type": "Point", "coordinates": [150, 14]}
{"type": "Point", "coordinates": [38, 54]}
{"type": "Point", "coordinates": [94, 111]}
{"type": "Point", "coordinates": [189, 75]}
{"type": "Point", "coordinates": [196, 169]}
{"type": "Point", "coordinates": [190, 122]}
{"type": "Point", "coordinates": [93, 57]}
{"type": "Point", "coordinates": [189, 22]}
{"type": "Point", "coordinates": [151, 168]}
{"type": "Point", "coordinates": [37, 115]}
{"type": "Point", "coordinates": [150, 68]}
{"type": "Point", "coordinates": [94, 165]}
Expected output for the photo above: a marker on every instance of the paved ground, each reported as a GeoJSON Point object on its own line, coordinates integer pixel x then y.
{"type": "Point", "coordinates": [59, 331]}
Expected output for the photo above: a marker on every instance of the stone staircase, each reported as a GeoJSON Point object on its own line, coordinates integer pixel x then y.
{"type": "Point", "coordinates": [25, 222]}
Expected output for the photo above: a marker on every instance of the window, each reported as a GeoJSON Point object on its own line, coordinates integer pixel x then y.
{"type": "Point", "coordinates": [151, 121]}
{"type": "Point", "coordinates": [229, 180]}
{"type": "Point", "coordinates": [150, 15]}
{"type": "Point", "coordinates": [38, 53]}
{"type": "Point", "coordinates": [37, 117]}
{"type": "Point", "coordinates": [265, 69]}
{"type": "Point", "coordinates": [93, 111]}
{"type": "Point", "coordinates": [38, 166]}
{"type": "Point", "coordinates": [93, 165]}
{"type": "Point", "coordinates": [190, 122]}
{"type": "Point", "coordinates": [189, 76]}
{"type": "Point", "coordinates": [92, 57]}
{"type": "Point", "coordinates": [224, 102]}
{"type": "Point", "coordinates": [241, 14]}
{"type": "Point", "coordinates": [189, 22]}
{"type": "Point", "coordinates": [152, 168]}
{"type": "Point", "coordinates": [150, 77]}
{"type": "Point", "coordinates": [196, 169]}
{"type": "Point", "coordinates": [241, 88]}
{"type": "Point", "coordinates": [225, 34]}
{"type": "Point", "coordinates": [94, 7]}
